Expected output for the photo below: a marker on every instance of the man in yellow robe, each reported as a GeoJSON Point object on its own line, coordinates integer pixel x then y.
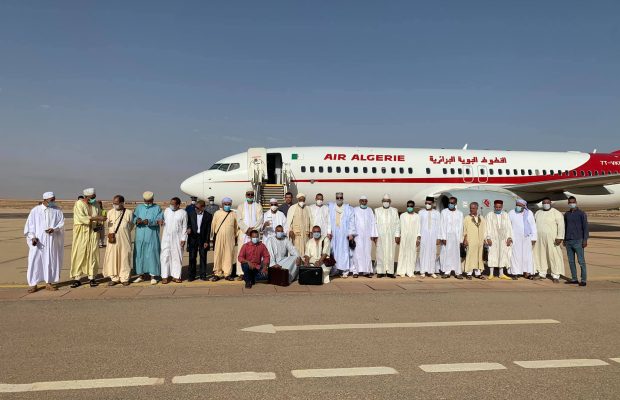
{"type": "Point", "coordinates": [547, 250]}
{"type": "Point", "coordinates": [474, 234]}
{"type": "Point", "coordinates": [299, 223]}
{"type": "Point", "coordinates": [119, 252]}
{"type": "Point", "coordinates": [224, 231]}
{"type": "Point", "coordinates": [85, 245]}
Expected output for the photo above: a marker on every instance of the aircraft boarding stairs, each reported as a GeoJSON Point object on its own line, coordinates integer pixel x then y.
{"type": "Point", "coordinates": [269, 191]}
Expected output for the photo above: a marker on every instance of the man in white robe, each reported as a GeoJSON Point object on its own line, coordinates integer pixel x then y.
{"type": "Point", "coordinates": [282, 253]}
{"type": "Point", "coordinates": [342, 231]}
{"type": "Point", "coordinates": [547, 251]}
{"type": "Point", "coordinates": [409, 241]}
{"type": "Point", "coordinates": [319, 214]}
{"type": "Point", "coordinates": [499, 240]}
{"type": "Point", "coordinates": [524, 238]}
{"type": "Point", "coordinates": [299, 223]}
{"type": "Point", "coordinates": [44, 231]}
{"type": "Point", "coordinates": [430, 225]}
{"type": "Point", "coordinates": [271, 219]}
{"type": "Point", "coordinates": [388, 228]}
{"type": "Point", "coordinates": [249, 218]}
{"type": "Point", "coordinates": [451, 236]}
{"type": "Point", "coordinates": [173, 241]}
{"type": "Point", "coordinates": [317, 249]}
{"type": "Point", "coordinates": [365, 234]}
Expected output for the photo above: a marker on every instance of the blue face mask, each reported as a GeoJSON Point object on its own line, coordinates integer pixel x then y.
{"type": "Point", "coordinates": [249, 199]}
{"type": "Point", "coordinates": [280, 235]}
{"type": "Point", "coordinates": [51, 204]}
{"type": "Point", "coordinates": [518, 209]}
{"type": "Point", "coordinates": [226, 208]}
{"type": "Point", "coordinates": [316, 235]}
{"type": "Point", "coordinates": [92, 201]}
{"type": "Point", "coordinates": [572, 205]}
{"type": "Point", "coordinates": [363, 206]}
{"type": "Point", "coordinates": [254, 240]}
{"type": "Point", "coordinates": [498, 212]}
{"type": "Point", "coordinates": [451, 206]}
{"type": "Point", "coordinates": [409, 209]}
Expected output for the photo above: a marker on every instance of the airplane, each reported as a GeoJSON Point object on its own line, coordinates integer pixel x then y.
{"type": "Point", "coordinates": [413, 174]}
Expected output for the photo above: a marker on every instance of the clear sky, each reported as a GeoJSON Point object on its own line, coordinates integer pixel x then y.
{"type": "Point", "coordinates": [133, 95]}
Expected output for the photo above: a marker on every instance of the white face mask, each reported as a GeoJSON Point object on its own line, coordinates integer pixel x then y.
{"type": "Point", "coordinates": [319, 203]}
{"type": "Point", "coordinates": [274, 208]}
{"type": "Point", "coordinates": [386, 204]}
{"type": "Point", "coordinates": [302, 204]}
{"type": "Point", "coordinates": [428, 206]}
{"type": "Point", "coordinates": [546, 206]}
{"type": "Point", "coordinates": [339, 203]}
{"type": "Point", "coordinates": [211, 202]}
{"type": "Point", "coordinates": [118, 207]}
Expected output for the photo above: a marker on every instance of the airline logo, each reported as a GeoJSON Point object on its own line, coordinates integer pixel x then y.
{"type": "Point", "coordinates": [364, 157]}
{"type": "Point", "coordinates": [486, 203]}
{"type": "Point", "coordinates": [465, 160]}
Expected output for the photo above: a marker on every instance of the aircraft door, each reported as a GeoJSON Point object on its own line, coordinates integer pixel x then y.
{"type": "Point", "coordinates": [274, 168]}
{"type": "Point", "coordinates": [257, 165]}
{"type": "Point", "coordinates": [467, 172]}
{"type": "Point", "coordinates": [483, 174]}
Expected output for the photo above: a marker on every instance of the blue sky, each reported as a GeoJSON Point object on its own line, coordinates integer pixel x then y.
{"type": "Point", "coordinates": [134, 95]}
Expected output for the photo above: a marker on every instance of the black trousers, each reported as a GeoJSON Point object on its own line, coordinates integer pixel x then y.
{"type": "Point", "coordinates": [196, 248]}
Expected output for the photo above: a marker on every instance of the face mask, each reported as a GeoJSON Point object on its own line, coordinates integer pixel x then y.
{"type": "Point", "coordinates": [274, 208]}
{"type": "Point", "coordinates": [386, 204]}
{"type": "Point", "coordinates": [572, 205]}
{"type": "Point", "coordinates": [302, 204]}
{"type": "Point", "coordinates": [173, 208]}
{"type": "Point", "coordinates": [193, 201]}
{"type": "Point", "coordinates": [428, 206]}
{"type": "Point", "coordinates": [316, 235]}
{"type": "Point", "coordinates": [498, 212]}
{"type": "Point", "coordinates": [280, 235]}
{"type": "Point", "coordinates": [117, 207]}
{"type": "Point", "coordinates": [319, 203]}
{"type": "Point", "coordinates": [340, 202]}
{"type": "Point", "coordinates": [51, 204]}
{"type": "Point", "coordinates": [226, 208]}
{"type": "Point", "coordinates": [211, 202]}
{"type": "Point", "coordinates": [249, 199]}
{"type": "Point", "coordinates": [546, 207]}
{"type": "Point", "coordinates": [409, 210]}
{"type": "Point", "coordinates": [363, 206]}
{"type": "Point", "coordinates": [92, 201]}
{"type": "Point", "coordinates": [451, 206]}
{"type": "Point", "coordinates": [518, 209]}
{"type": "Point", "coordinates": [255, 240]}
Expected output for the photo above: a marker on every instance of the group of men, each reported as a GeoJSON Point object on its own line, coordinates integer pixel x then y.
{"type": "Point", "coordinates": [337, 237]}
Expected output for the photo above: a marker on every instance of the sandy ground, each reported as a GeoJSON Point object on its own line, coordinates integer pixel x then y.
{"type": "Point", "coordinates": [602, 254]}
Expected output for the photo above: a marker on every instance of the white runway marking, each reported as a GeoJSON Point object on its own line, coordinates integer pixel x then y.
{"type": "Point", "coordinates": [462, 367]}
{"type": "Point", "coordinates": [273, 329]}
{"type": "Point", "coordinates": [561, 363]}
{"type": "Point", "coordinates": [82, 384]}
{"type": "Point", "coordinates": [615, 360]}
{"type": "Point", "coordinates": [225, 377]}
{"type": "Point", "coordinates": [332, 372]}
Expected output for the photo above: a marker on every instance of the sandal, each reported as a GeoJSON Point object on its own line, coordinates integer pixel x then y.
{"type": "Point", "coordinates": [51, 287]}
{"type": "Point", "coordinates": [214, 279]}
{"type": "Point", "coordinates": [75, 284]}
{"type": "Point", "coordinates": [32, 289]}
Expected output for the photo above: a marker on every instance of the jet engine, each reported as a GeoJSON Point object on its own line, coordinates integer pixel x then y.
{"type": "Point", "coordinates": [483, 195]}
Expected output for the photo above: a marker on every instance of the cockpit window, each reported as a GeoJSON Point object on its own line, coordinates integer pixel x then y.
{"type": "Point", "coordinates": [233, 166]}
{"type": "Point", "coordinates": [223, 167]}
{"type": "Point", "coordinates": [215, 166]}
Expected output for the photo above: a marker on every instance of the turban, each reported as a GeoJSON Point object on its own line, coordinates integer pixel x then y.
{"type": "Point", "coordinates": [339, 193]}
{"type": "Point", "coordinates": [273, 200]}
{"type": "Point", "coordinates": [363, 197]}
{"type": "Point", "coordinates": [498, 202]}
{"type": "Point", "coordinates": [48, 195]}
{"type": "Point", "coordinates": [300, 195]}
{"type": "Point", "coordinates": [88, 192]}
{"type": "Point", "coordinates": [250, 190]}
{"type": "Point", "coordinates": [148, 195]}
{"type": "Point", "coordinates": [386, 197]}
{"type": "Point", "coordinates": [430, 198]}
{"type": "Point", "coordinates": [226, 200]}
{"type": "Point", "coordinates": [522, 202]}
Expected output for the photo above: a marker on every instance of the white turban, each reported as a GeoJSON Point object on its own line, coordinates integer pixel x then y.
{"type": "Point", "coordinates": [88, 192]}
{"type": "Point", "coordinates": [148, 195]}
{"type": "Point", "coordinates": [522, 202]}
{"type": "Point", "coordinates": [300, 195]}
{"type": "Point", "coordinates": [273, 200]}
{"type": "Point", "coordinates": [226, 200]}
{"type": "Point", "coordinates": [48, 195]}
{"type": "Point", "coordinates": [363, 197]}
{"type": "Point", "coordinates": [386, 197]}
{"type": "Point", "coordinates": [250, 190]}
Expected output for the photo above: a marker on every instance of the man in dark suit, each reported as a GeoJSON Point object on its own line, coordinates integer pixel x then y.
{"type": "Point", "coordinates": [198, 232]}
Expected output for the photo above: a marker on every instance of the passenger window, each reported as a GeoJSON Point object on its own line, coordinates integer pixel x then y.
{"type": "Point", "coordinates": [401, 170]}
{"type": "Point", "coordinates": [365, 170]}
{"type": "Point", "coordinates": [595, 173]}
{"type": "Point", "coordinates": [374, 170]}
{"type": "Point", "coordinates": [460, 170]}
{"type": "Point", "coordinates": [515, 172]}
{"type": "Point", "coordinates": [537, 172]}
{"type": "Point", "coordinates": [482, 171]}
{"type": "Point", "coordinates": [574, 173]}
{"type": "Point", "coordinates": [303, 169]}
{"type": "Point", "coordinates": [355, 170]}
{"type": "Point", "coordinates": [529, 172]}
{"type": "Point", "coordinates": [445, 171]}
{"type": "Point", "coordinates": [233, 166]}
{"type": "Point", "coordinates": [582, 173]}
{"type": "Point", "coordinates": [321, 169]}
{"type": "Point", "coordinates": [551, 172]}
{"type": "Point", "coordinates": [410, 171]}
{"type": "Point", "coordinates": [393, 170]}
{"type": "Point", "coordinates": [452, 171]}
{"type": "Point", "coordinates": [507, 172]}
{"type": "Point", "coordinates": [602, 172]}
{"type": "Point", "coordinates": [311, 169]}
{"type": "Point", "coordinates": [338, 169]}
{"type": "Point", "coordinates": [428, 171]}
{"type": "Point", "coordinates": [491, 171]}
{"type": "Point", "coordinates": [499, 171]}
{"type": "Point", "coordinates": [383, 170]}
{"type": "Point", "coordinates": [224, 167]}
{"type": "Point", "coordinates": [346, 170]}
{"type": "Point", "coordinates": [589, 173]}
{"type": "Point", "coordinates": [329, 170]}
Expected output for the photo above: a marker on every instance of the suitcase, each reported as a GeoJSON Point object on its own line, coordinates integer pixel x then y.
{"type": "Point", "coordinates": [310, 275]}
{"type": "Point", "coordinates": [278, 276]}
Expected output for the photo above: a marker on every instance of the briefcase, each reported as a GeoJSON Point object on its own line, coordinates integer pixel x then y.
{"type": "Point", "coordinates": [310, 275]}
{"type": "Point", "coordinates": [278, 276]}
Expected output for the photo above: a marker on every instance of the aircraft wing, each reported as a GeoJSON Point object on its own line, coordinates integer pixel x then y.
{"type": "Point", "coordinates": [587, 185]}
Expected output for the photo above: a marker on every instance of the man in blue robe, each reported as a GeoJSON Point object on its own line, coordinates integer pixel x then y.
{"type": "Point", "coordinates": [147, 219]}
{"type": "Point", "coordinates": [342, 230]}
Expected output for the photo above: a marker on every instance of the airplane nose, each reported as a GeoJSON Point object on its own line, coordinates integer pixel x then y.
{"type": "Point", "coordinates": [194, 185]}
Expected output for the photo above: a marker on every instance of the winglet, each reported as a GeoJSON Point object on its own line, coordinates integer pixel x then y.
{"type": "Point", "coordinates": [261, 329]}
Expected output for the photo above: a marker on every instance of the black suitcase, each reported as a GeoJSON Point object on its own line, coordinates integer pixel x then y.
{"type": "Point", "coordinates": [278, 276]}
{"type": "Point", "coordinates": [310, 275]}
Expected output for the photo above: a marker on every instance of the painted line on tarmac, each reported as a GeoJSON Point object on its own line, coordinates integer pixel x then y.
{"type": "Point", "coordinates": [578, 362]}
{"type": "Point", "coordinates": [615, 360]}
{"type": "Point", "coordinates": [273, 329]}
{"type": "Point", "coordinates": [224, 377]}
{"type": "Point", "coordinates": [81, 384]}
{"type": "Point", "coordinates": [333, 372]}
{"type": "Point", "coordinates": [461, 367]}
